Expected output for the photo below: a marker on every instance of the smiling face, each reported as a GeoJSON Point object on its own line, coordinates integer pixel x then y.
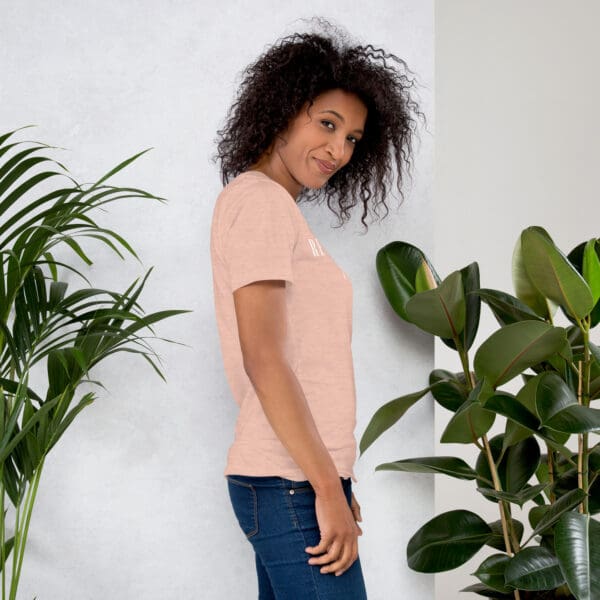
{"type": "Point", "coordinates": [317, 143]}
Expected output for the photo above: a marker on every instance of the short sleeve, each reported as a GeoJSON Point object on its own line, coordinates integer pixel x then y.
{"type": "Point", "coordinates": [259, 242]}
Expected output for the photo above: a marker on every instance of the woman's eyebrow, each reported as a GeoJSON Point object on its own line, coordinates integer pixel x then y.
{"type": "Point", "coordinates": [337, 114]}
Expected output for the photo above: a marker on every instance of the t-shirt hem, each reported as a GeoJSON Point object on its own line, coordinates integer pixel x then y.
{"type": "Point", "coordinates": [294, 476]}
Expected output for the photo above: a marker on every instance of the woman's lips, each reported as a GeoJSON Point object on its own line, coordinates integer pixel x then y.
{"type": "Point", "coordinates": [325, 167]}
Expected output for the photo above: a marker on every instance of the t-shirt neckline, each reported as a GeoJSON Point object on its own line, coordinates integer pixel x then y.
{"type": "Point", "coordinates": [265, 176]}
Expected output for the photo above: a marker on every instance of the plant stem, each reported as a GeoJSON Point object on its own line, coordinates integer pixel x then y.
{"type": "Point", "coordinates": [552, 496]}
{"type": "Point", "coordinates": [464, 359]}
{"type": "Point", "coordinates": [4, 401]}
{"type": "Point", "coordinates": [17, 535]}
{"type": "Point", "coordinates": [584, 398]}
{"type": "Point", "coordinates": [501, 505]}
{"type": "Point", "coordinates": [498, 488]}
{"type": "Point", "coordinates": [516, 546]}
{"type": "Point", "coordinates": [28, 509]}
{"type": "Point", "coordinates": [2, 532]}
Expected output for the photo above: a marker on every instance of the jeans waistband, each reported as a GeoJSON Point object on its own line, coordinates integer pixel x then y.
{"type": "Point", "coordinates": [276, 481]}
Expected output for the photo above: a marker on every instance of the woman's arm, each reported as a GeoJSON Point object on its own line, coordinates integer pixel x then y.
{"type": "Point", "coordinates": [261, 317]}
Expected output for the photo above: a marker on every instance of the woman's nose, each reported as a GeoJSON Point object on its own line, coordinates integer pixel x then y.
{"type": "Point", "coordinates": [336, 148]}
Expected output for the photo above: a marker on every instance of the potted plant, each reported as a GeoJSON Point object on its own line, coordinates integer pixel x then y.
{"type": "Point", "coordinates": [535, 461]}
{"type": "Point", "coordinates": [40, 322]}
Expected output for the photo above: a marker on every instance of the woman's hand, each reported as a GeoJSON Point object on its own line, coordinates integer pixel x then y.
{"type": "Point", "coordinates": [339, 532]}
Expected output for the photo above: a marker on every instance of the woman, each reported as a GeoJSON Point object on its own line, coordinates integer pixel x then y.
{"type": "Point", "coordinates": [315, 119]}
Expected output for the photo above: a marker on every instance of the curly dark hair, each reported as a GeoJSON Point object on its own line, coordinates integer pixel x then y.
{"type": "Point", "coordinates": [297, 69]}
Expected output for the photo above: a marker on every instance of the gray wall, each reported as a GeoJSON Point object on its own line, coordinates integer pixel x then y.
{"type": "Point", "coordinates": [517, 144]}
{"type": "Point", "coordinates": [133, 503]}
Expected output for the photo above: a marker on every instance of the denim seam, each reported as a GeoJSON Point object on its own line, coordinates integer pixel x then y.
{"type": "Point", "coordinates": [254, 531]}
{"type": "Point", "coordinates": [312, 571]}
{"type": "Point", "coordinates": [290, 506]}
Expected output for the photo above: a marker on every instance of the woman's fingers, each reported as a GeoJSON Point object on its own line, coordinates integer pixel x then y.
{"type": "Point", "coordinates": [338, 558]}
{"type": "Point", "coordinates": [353, 557]}
{"type": "Point", "coordinates": [344, 562]}
{"type": "Point", "coordinates": [334, 552]}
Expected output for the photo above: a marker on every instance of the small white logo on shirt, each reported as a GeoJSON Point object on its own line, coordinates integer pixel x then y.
{"type": "Point", "coordinates": [315, 247]}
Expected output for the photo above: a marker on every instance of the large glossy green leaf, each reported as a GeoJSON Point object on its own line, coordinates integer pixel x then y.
{"type": "Point", "coordinates": [553, 275]}
{"type": "Point", "coordinates": [595, 352]}
{"type": "Point", "coordinates": [446, 465]}
{"type": "Point", "coordinates": [525, 290]}
{"type": "Point", "coordinates": [518, 465]}
{"type": "Point", "coordinates": [471, 284]}
{"type": "Point", "coordinates": [508, 406]}
{"type": "Point", "coordinates": [514, 433]}
{"type": "Point", "coordinates": [483, 590]}
{"type": "Point", "coordinates": [591, 267]}
{"type": "Point", "coordinates": [397, 265]}
{"type": "Point", "coordinates": [552, 514]}
{"type": "Point", "coordinates": [558, 408]}
{"type": "Point", "coordinates": [451, 391]}
{"type": "Point", "coordinates": [566, 480]}
{"type": "Point", "coordinates": [515, 467]}
{"type": "Point", "coordinates": [562, 363]}
{"type": "Point", "coordinates": [497, 539]}
{"type": "Point", "coordinates": [447, 541]}
{"type": "Point", "coordinates": [471, 420]}
{"type": "Point", "coordinates": [506, 308]}
{"type": "Point", "coordinates": [491, 572]}
{"type": "Point", "coordinates": [577, 543]}
{"type": "Point", "coordinates": [575, 419]}
{"type": "Point", "coordinates": [514, 348]}
{"type": "Point", "coordinates": [552, 396]}
{"type": "Point", "coordinates": [534, 569]}
{"type": "Point", "coordinates": [527, 396]}
{"type": "Point", "coordinates": [440, 311]}
{"type": "Point", "coordinates": [576, 258]}
{"type": "Point", "coordinates": [525, 495]}
{"type": "Point", "coordinates": [387, 415]}
{"type": "Point", "coordinates": [424, 278]}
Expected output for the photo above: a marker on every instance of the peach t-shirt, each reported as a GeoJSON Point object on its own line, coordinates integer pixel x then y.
{"type": "Point", "coordinates": [258, 232]}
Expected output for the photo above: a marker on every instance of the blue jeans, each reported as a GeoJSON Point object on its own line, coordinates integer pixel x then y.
{"type": "Point", "coordinates": [278, 517]}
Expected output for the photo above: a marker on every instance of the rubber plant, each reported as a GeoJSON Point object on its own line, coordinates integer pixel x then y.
{"type": "Point", "coordinates": [546, 458]}
{"type": "Point", "coordinates": [67, 333]}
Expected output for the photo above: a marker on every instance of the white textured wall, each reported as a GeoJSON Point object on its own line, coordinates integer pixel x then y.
{"type": "Point", "coordinates": [133, 503]}
{"type": "Point", "coordinates": [517, 144]}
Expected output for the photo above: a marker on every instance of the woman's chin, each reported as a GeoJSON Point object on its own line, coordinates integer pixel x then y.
{"type": "Point", "coordinates": [315, 182]}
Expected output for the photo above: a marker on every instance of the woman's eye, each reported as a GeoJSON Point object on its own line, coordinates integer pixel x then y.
{"type": "Point", "coordinates": [353, 139]}
{"type": "Point", "coordinates": [327, 123]}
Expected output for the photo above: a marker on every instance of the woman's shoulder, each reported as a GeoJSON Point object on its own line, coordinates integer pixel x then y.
{"type": "Point", "coordinates": [257, 187]}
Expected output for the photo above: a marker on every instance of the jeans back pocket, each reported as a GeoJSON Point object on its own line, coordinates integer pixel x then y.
{"type": "Point", "coordinates": [245, 505]}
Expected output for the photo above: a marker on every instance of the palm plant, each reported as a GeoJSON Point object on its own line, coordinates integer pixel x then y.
{"type": "Point", "coordinates": [41, 323]}
{"type": "Point", "coordinates": [560, 371]}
